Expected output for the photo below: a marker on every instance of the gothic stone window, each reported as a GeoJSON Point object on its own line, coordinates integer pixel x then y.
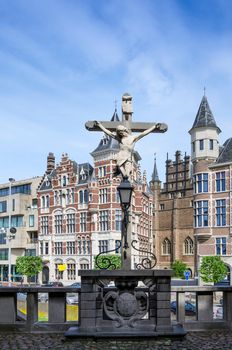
{"type": "Point", "coordinates": [166, 247]}
{"type": "Point", "coordinates": [71, 270]}
{"type": "Point", "coordinates": [84, 264]}
{"type": "Point", "coordinates": [58, 274]}
{"type": "Point", "coordinates": [188, 246]}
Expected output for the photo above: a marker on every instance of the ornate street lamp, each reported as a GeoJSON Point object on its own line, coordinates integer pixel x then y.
{"type": "Point", "coordinates": [125, 190]}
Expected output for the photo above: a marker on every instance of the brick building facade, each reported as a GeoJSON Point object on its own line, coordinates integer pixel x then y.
{"type": "Point", "coordinates": [173, 214]}
{"type": "Point", "coordinates": [80, 213]}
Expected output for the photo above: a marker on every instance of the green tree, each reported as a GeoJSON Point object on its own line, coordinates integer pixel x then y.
{"type": "Point", "coordinates": [29, 266]}
{"type": "Point", "coordinates": [213, 269]}
{"type": "Point", "coordinates": [108, 261]}
{"type": "Point", "coordinates": [179, 267]}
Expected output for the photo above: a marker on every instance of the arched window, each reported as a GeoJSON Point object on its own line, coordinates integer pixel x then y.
{"type": "Point", "coordinates": [71, 269]}
{"type": "Point", "coordinates": [188, 246]}
{"type": "Point", "coordinates": [58, 274]}
{"type": "Point", "coordinates": [84, 264]}
{"type": "Point", "coordinates": [166, 247]}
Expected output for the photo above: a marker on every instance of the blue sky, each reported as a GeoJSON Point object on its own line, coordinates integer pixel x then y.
{"type": "Point", "coordinates": [63, 62]}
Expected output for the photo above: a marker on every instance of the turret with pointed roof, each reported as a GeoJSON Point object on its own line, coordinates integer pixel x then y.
{"type": "Point", "coordinates": [204, 117]}
{"type": "Point", "coordinates": [204, 134]}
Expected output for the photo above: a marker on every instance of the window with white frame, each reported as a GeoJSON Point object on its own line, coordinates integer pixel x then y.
{"type": "Point", "coordinates": [188, 246]}
{"type": "Point", "coordinates": [200, 183]}
{"type": "Point", "coordinates": [71, 271]}
{"type": "Point", "coordinates": [221, 212]}
{"type": "Point", "coordinates": [166, 247]}
{"type": "Point", "coordinates": [104, 220]}
{"type": "Point", "coordinates": [83, 221]}
{"type": "Point", "coordinates": [84, 265]}
{"type": "Point", "coordinates": [83, 196]}
{"type": "Point", "coordinates": [46, 250]}
{"type": "Point", "coordinates": [71, 248]}
{"type": "Point", "coordinates": [58, 274]}
{"type": "Point", "coordinates": [58, 248]}
{"type": "Point", "coordinates": [221, 246]}
{"type": "Point", "coordinates": [70, 222]}
{"type": "Point", "coordinates": [102, 171]}
{"type": "Point", "coordinates": [103, 195]}
{"type": "Point", "coordinates": [220, 181]}
{"type": "Point", "coordinates": [118, 219]}
{"type": "Point", "coordinates": [58, 219]}
{"type": "Point", "coordinates": [44, 225]}
{"type": "Point", "coordinates": [201, 214]}
{"type": "Point", "coordinates": [103, 245]}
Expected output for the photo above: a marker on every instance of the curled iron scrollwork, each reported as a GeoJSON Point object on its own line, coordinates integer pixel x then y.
{"type": "Point", "coordinates": [146, 262]}
{"type": "Point", "coordinates": [105, 260]}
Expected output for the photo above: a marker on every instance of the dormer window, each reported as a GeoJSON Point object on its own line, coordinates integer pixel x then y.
{"type": "Point", "coordinates": [104, 140]}
{"type": "Point", "coordinates": [64, 181]}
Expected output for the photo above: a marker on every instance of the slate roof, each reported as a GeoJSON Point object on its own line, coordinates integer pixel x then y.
{"type": "Point", "coordinates": [225, 155]}
{"type": "Point", "coordinates": [204, 117]}
{"type": "Point", "coordinates": [155, 176]}
{"type": "Point", "coordinates": [85, 171]}
{"type": "Point", "coordinates": [108, 143]}
{"type": "Point", "coordinates": [46, 183]}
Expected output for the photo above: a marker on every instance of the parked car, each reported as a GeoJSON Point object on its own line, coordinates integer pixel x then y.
{"type": "Point", "coordinates": [76, 285]}
{"type": "Point", "coordinates": [190, 309]}
{"type": "Point", "coordinates": [53, 284]}
{"type": "Point", "coordinates": [219, 313]}
{"type": "Point", "coordinates": [42, 297]}
{"type": "Point", "coordinates": [72, 298]}
{"type": "Point", "coordinates": [22, 296]}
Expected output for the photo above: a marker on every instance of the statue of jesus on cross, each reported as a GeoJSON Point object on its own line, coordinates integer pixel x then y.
{"type": "Point", "coordinates": [121, 131]}
{"type": "Point", "coordinates": [127, 143]}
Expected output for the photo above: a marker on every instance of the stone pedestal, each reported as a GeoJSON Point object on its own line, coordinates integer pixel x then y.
{"type": "Point", "coordinates": [138, 305]}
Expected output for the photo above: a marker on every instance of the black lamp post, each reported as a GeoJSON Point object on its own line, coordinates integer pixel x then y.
{"type": "Point", "coordinates": [125, 190]}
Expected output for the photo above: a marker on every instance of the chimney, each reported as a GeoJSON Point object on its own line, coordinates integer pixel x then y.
{"type": "Point", "coordinates": [50, 162]}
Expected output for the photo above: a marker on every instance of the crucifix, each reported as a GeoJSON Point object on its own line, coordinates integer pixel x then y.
{"type": "Point", "coordinates": [122, 132]}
